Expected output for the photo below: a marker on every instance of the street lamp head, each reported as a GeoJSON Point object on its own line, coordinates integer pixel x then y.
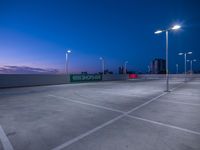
{"type": "Point", "coordinates": [194, 60]}
{"type": "Point", "coordinates": [158, 32]}
{"type": "Point", "coordinates": [176, 27]}
{"type": "Point", "coordinates": [188, 60]}
{"type": "Point", "coordinates": [180, 54]}
{"type": "Point", "coordinates": [189, 53]}
{"type": "Point", "coordinates": [100, 58]}
{"type": "Point", "coordinates": [69, 51]}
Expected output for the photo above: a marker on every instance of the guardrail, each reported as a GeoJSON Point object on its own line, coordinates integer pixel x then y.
{"type": "Point", "coordinates": [171, 76]}
{"type": "Point", "coordinates": [22, 80]}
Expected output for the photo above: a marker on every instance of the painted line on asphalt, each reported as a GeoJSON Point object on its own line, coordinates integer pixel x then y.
{"type": "Point", "coordinates": [76, 139]}
{"type": "Point", "coordinates": [5, 141]}
{"type": "Point", "coordinates": [85, 103]}
{"type": "Point", "coordinates": [66, 144]}
{"type": "Point", "coordinates": [153, 99]}
{"type": "Point", "coordinates": [144, 104]}
{"type": "Point", "coordinates": [175, 102]}
{"type": "Point", "coordinates": [180, 84]}
{"type": "Point", "coordinates": [116, 94]}
{"type": "Point", "coordinates": [111, 93]}
{"type": "Point", "coordinates": [163, 124]}
{"type": "Point", "coordinates": [183, 94]}
{"type": "Point", "coordinates": [129, 95]}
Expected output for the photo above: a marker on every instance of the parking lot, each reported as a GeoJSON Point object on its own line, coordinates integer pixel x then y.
{"type": "Point", "coordinates": [115, 115]}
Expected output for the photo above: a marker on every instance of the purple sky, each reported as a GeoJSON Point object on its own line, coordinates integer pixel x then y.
{"type": "Point", "coordinates": [37, 34]}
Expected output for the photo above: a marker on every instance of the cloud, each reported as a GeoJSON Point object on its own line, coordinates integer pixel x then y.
{"type": "Point", "coordinates": [26, 70]}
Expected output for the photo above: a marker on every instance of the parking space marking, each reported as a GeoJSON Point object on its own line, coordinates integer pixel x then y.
{"type": "Point", "coordinates": [128, 95]}
{"type": "Point", "coordinates": [76, 139]}
{"type": "Point", "coordinates": [175, 102]}
{"type": "Point", "coordinates": [66, 144]}
{"type": "Point", "coordinates": [179, 85]}
{"type": "Point", "coordinates": [144, 104]}
{"type": "Point", "coordinates": [163, 124]}
{"type": "Point", "coordinates": [111, 93]}
{"type": "Point", "coordinates": [85, 103]}
{"type": "Point", "coordinates": [4, 140]}
{"type": "Point", "coordinates": [183, 94]}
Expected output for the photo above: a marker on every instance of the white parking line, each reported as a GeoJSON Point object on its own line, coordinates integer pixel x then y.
{"type": "Point", "coordinates": [175, 102]}
{"type": "Point", "coordinates": [5, 141]}
{"type": "Point", "coordinates": [120, 94]}
{"type": "Point", "coordinates": [181, 84]}
{"type": "Point", "coordinates": [163, 124]}
{"type": "Point", "coordinates": [183, 94]}
{"type": "Point", "coordinates": [142, 105]}
{"type": "Point", "coordinates": [66, 144]}
{"type": "Point", "coordinates": [85, 103]}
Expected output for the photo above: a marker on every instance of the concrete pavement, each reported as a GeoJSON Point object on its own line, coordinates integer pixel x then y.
{"type": "Point", "coordinates": [122, 115]}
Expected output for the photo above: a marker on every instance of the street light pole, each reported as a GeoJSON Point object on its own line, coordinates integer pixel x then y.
{"type": "Point", "coordinates": [176, 68]}
{"type": "Point", "coordinates": [67, 61]}
{"type": "Point", "coordinates": [125, 63]}
{"type": "Point", "coordinates": [103, 64]}
{"type": "Point", "coordinates": [194, 60]}
{"type": "Point", "coordinates": [167, 69]}
{"type": "Point", "coordinates": [149, 69]}
{"type": "Point", "coordinates": [185, 56]}
{"type": "Point", "coordinates": [185, 62]}
{"type": "Point", "coordinates": [176, 27]}
{"type": "Point", "coordinates": [191, 65]}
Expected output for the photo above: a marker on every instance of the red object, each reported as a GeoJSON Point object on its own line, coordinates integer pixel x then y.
{"type": "Point", "coordinates": [133, 76]}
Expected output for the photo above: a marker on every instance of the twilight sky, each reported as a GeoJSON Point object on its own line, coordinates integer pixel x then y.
{"type": "Point", "coordinates": [37, 33]}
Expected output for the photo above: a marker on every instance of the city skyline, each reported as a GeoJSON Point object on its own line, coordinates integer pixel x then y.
{"type": "Point", "coordinates": [36, 34]}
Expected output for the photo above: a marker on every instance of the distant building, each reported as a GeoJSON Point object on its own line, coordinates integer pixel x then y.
{"type": "Point", "coordinates": [84, 73]}
{"type": "Point", "coordinates": [121, 70]}
{"type": "Point", "coordinates": [158, 66]}
{"type": "Point", "coordinates": [107, 72]}
{"type": "Point", "coordinates": [131, 72]}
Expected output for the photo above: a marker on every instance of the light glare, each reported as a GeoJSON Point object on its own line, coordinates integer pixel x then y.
{"type": "Point", "coordinates": [157, 32]}
{"type": "Point", "coordinates": [176, 27]}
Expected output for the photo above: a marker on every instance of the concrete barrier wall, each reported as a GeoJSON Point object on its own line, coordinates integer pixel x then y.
{"type": "Point", "coordinates": [31, 80]}
{"type": "Point", "coordinates": [22, 80]}
{"type": "Point", "coordinates": [114, 77]}
{"type": "Point", "coordinates": [18, 80]}
{"type": "Point", "coordinates": [171, 76]}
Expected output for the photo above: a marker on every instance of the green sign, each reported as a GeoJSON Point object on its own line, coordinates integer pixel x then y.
{"type": "Point", "coordinates": [85, 77]}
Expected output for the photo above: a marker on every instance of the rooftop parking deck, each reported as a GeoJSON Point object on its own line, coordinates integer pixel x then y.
{"type": "Point", "coordinates": [117, 115]}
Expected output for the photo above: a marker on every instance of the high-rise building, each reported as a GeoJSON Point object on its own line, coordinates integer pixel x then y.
{"type": "Point", "coordinates": [158, 66]}
{"type": "Point", "coordinates": [121, 70]}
